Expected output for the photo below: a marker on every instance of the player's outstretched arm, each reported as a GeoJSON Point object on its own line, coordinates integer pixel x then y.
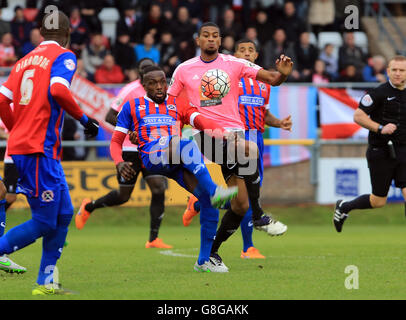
{"type": "Point", "coordinates": [272, 121]}
{"type": "Point", "coordinates": [116, 150]}
{"type": "Point", "coordinates": [284, 67]}
{"type": "Point", "coordinates": [63, 97]}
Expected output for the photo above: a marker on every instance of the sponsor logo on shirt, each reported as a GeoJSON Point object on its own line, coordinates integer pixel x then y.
{"type": "Point", "coordinates": [250, 100]}
{"type": "Point", "coordinates": [158, 120]}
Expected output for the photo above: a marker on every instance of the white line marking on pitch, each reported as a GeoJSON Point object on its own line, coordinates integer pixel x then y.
{"type": "Point", "coordinates": [176, 254]}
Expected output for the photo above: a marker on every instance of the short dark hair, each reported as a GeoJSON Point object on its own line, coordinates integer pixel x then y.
{"type": "Point", "coordinates": [208, 24]}
{"type": "Point", "coordinates": [245, 40]}
{"type": "Point", "coordinates": [149, 69]}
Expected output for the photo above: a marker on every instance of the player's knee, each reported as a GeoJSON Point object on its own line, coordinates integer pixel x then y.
{"type": "Point", "coordinates": [240, 206]}
{"type": "Point", "coordinates": [377, 202]}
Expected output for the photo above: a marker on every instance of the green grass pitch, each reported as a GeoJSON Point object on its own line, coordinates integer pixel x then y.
{"type": "Point", "coordinates": [108, 260]}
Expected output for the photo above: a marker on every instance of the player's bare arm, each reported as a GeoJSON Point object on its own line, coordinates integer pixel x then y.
{"type": "Point", "coordinates": [284, 66]}
{"type": "Point", "coordinates": [272, 121]}
{"type": "Point", "coordinates": [361, 118]}
{"type": "Point", "coordinates": [111, 116]}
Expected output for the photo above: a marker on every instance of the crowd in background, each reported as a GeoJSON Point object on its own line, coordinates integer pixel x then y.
{"type": "Point", "coordinates": [164, 31]}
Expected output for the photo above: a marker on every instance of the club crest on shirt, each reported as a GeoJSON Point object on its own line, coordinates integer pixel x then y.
{"type": "Point", "coordinates": [69, 64]}
{"type": "Point", "coordinates": [171, 107]}
{"type": "Point", "coordinates": [47, 196]}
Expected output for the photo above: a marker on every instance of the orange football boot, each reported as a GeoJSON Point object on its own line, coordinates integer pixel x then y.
{"type": "Point", "coordinates": [252, 253]}
{"type": "Point", "coordinates": [82, 215]}
{"type": "Point", "coordinates": [190, 211]}
{"type": "Point", "coordinates": [157, 243]}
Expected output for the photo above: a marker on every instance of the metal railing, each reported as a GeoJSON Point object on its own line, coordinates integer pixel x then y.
{"type": "Point", "coordinates": [383, 12]}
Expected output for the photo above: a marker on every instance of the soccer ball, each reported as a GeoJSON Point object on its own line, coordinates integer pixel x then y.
{"type": "Point", "coordinates": [215, 84]}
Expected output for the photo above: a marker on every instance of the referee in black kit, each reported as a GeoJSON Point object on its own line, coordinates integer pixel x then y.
{"type": "Point", "coordinates": [383, 112]}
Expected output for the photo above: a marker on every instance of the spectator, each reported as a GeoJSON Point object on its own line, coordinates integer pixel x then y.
{"type": "Point", "coordinates": [319, 74]}
{"type": "Point", "coordinates": [306, 55]}
{"type": "Point", "coordinates": [182, 27]}
{"type": "Point", "coordinates": [330, 60]}
{"type": "Point", "coordinates": [147, 49]}
{"type": "Point", "coordinates": [321, 15]}
{"type": "Point", "coordinates": [35, 40]}
{"type": "Point", "coordinates": [7, 52]}
{"type": "Point", "coordinates": [217, 8]}
{"type": "Point", "coordinates": [72, 132]}
{"type": "Point", "coordinates": [124, 53]}
{"type": "Point", "coordinates": [252, 34]}
{"type": "Point", "coordinates": [93, 55]}
{"type": "Point", "coordinates": [275, 47]}
{"type": "Point", "coordinates": [375, 71]}
{"type": "Point", "coordinates": [169, 59]}
{"type": "Point", "coordinates": [109, 71]}
{"type": "Point", "coordinates": [79, 32]}
{"type": "Point", "coordinates": [80, 69]}
{"type": "Point", "coordinates": [20, 28]}
{"type": "Point", "coordinates": [130, 23]}
{"type": "Point", "coordinates": [349, 53]}
{"type": "Point", "coordinates": [155, 22]}
{"type": "Point", "coordinates": [229, 26]}
{"type": "Point", "coordinates": [349, 74]}
{"type": "Point", "coordinates": [291, 23]}
{"type": "Point", "coordinates": [194, 8]}
{"type": "Point", "coordinates": [264, 28]}
{"type": "Point", "coordinates": [4, 26]}
{"type": "Point", "coordinates": [89, 11]}
{"type": "Point", "coordinates": [228, 45]}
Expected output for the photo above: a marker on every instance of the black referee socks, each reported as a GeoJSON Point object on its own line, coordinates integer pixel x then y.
{"type": "Point", "coordinates": [362, 202]}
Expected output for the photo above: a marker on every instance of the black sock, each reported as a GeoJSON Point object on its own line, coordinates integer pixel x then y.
{"type": "Point", "coordinates": [229, 224]}
{"type": "Point", "coordinates": [253, 188]}
{"type": "Point", "coordinates": [156, 210]}
{"type": "Point", "coordinates": [109, 200]}
{"type": "Point", "coordinates": [362, 202]}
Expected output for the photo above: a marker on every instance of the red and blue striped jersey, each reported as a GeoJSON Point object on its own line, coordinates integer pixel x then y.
{"type": "Point", "coordinates": [38, 118]}
{"type": "Point", "coordinates": [253, 102]}
{"type": "Point", "coordinates": [151, 121]}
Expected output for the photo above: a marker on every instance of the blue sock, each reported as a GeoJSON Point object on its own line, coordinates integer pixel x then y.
{"type": "Point", "coordinates": [22, 235]}
{"type": "Point", "coordinates": [193, 161]}
{"type": "Point", "coordinates": [52, 246]}
{"type": "Point", "coordinates": [209, 218]}
{"type": "Point", "coordinates": [2, 217]}
{"type": "Point", "coordinates": [247, 229]}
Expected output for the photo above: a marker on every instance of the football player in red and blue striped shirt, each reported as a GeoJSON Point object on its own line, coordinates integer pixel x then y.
{"type": "Point", "coordinates": [38, 86]}
{"type": "Point", "coordinates": [158, 120]}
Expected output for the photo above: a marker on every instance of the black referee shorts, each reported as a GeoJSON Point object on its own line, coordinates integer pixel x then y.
{"type": "Point", "coordinates": [383, 169]}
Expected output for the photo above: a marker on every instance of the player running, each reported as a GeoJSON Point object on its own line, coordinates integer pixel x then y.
{"type": "Point", "coordinates": [38, 86]}
{"type": "Point", "coordinates": [195, 76]}
{"type": "Point", "coordinates": [158, 121]}
{"type": "Point", "coordinates": [254, 112]}
{"type": "Point", "coordinates": [156, 183]}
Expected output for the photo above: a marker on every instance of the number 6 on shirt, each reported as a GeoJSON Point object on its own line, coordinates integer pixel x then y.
{"type": "Point", "coordinates": [26, 87]}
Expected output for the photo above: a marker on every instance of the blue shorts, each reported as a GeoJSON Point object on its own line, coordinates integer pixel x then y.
{"type": "Point", "coordinates": [154, 159]}
{"type": "Point", "coordinates": [43, 182]}
{"type": "Point", "coordinates": [256, 136]}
